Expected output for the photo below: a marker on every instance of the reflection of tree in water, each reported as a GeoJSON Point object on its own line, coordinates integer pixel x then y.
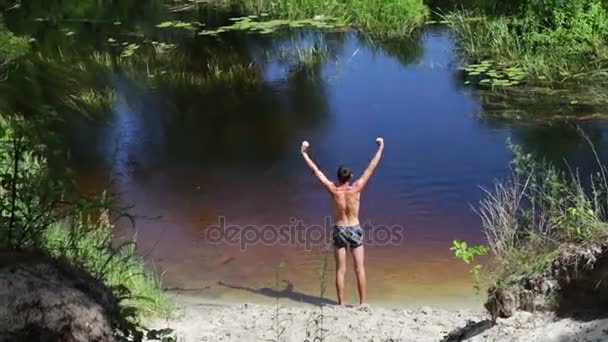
{"type": "Point", "coordinates": [254, 122]}
{"type": "Point", "coordinates": [560, 142]}
{"type": "Point", "coordinates": [202, 100]}
{"type": "Point", "coordinates": [204, 95]}
{"type": "Point", "coordinates": [407, 50]}
{"type": "Point", "coordinates": [131, 11]}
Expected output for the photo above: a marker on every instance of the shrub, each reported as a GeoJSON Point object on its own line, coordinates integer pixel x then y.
{"type": "Point", "coordinates": [36, 213]}
{"type": "Point", "coordinates": [549, 39]}
{"type": "Point", "coordinates": [528, 217]}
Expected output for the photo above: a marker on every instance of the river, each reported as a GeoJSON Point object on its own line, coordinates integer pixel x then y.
{"type": "Point", "coordinates": [188, 157]}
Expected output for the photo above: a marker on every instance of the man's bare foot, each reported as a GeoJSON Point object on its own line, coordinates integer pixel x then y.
{"type": "Point", "coordinates": [364, 307]}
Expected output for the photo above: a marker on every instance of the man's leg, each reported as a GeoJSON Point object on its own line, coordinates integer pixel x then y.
{"type": "Point", "coordinates": [340, 255]}
{"type": "Point", "coordinates": [358, 254]}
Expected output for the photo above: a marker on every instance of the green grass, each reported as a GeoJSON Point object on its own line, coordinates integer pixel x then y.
{"type": "Point", "coordinates": [384, 18]}
{"type": "Point", "coordinates": [87, 241]}
{"type": "Point", "coordinates": [562, 43]}
{"type": "Point", "coordinates": [92, 102]}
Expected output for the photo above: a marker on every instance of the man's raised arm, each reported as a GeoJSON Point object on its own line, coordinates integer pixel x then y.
{"type": "Point", "coordinates": [361, 182]}
{"type": "Point", "coordinates": [326, 182]}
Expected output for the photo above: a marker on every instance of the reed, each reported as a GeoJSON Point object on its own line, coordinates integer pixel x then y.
{"type": "Point", "coordinates": [385, 18]}
{"type": "Point", "coordinates": [551, 44]}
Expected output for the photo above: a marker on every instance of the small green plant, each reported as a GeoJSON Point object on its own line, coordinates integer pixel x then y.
{"type": "Point", "coordinates": [467, 254]}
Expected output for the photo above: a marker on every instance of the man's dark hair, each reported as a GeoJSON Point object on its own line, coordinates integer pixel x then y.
{"type": "Point", "coordinates": [344, 174]}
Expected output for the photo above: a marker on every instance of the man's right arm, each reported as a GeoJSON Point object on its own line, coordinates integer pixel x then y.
{"type": "Point", "coordinates": [361, 182]}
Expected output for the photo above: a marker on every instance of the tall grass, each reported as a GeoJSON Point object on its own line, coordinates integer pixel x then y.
{"type": "Point", "coordinates": [529, 216]}
{"type": "Point", "coordinates": [386, 18]}
{"type": "Point", "coordinates": [92, 102]}
{"type": "Point", "coordinates": [306, 57]}
{"type": "Point", "coordinates": [552, 41]}
{"type": "Point", "coordinates": [87, 241]}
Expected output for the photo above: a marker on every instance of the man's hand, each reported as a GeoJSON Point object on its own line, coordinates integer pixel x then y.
{"type": "Point", "coordinates": [380, 142]}
{"type": "Point", "coordinates": [305, 146]}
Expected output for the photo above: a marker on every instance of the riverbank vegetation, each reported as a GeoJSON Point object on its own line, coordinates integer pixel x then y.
{"type": "Point", "coordinates": [546, 227]}
{"type": "Point", "coordinates": [392, 18]}
{"type": "Point", "coordinates": [529, 217]}
{"type": "Point", "coordinates": [40, 212]}
{"type": "Point", "coordinates": [552, 42]}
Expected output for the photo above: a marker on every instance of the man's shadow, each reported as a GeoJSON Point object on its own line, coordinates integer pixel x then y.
{"type": "Point", "coordinates": [288, 292]}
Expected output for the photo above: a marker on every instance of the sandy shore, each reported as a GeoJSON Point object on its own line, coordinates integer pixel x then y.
{"type": "Point", "coordinates": [198, 319]}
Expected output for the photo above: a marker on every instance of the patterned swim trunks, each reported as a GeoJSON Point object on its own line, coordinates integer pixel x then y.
{"type": "Point", "coordinates": [347, 236]}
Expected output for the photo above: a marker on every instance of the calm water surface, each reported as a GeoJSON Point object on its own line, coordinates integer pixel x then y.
{"type": "Point", "coordinates": [184, 157]}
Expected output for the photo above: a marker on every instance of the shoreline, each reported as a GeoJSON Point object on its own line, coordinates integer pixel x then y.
{"type": "Point", "coordinates": [268, 296]}
{"type": "Point", "coordinates": [203, 319]}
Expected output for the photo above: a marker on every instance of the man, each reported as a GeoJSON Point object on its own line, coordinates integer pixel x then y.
{"type": "Point", "coordinates": [347, 230]}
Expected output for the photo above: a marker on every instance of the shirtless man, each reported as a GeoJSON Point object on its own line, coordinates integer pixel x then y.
{"type": "Point", "coordinates": [347, 230]}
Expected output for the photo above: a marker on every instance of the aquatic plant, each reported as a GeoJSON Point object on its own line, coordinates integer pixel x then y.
{"type": "Point", "coordinates": [250, 23]}
{"type": "Point", "coordinates": [180, 24]}
{"type": "Point", "coordinates": [488, 72]}
{"type": "Point", "coordinates": [554, 53]}
{"type": "Point", "coordinates": [92, 102]}
{"type": "Point", "coordinates": [160, 47]}
{"type": "Point", "coordinates": [129, 50]}
{"type": "Point", "coordinates": [303, 57]}
{"type": "Point", "coordinates": [387, 18]}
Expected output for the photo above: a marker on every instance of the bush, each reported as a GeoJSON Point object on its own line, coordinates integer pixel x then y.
{"type": "Point", "coordinates": [549, 39]}
{"type": "Point", "coordinates": [36, 213]}
{"type": "Point", "coordinates": [572, 26]}
{"type": "Point", "coordinates": [528, 217]}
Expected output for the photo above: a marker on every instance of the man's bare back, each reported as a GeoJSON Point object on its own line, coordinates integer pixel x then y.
{"type": "Point", "coordinates": [346, 200]}
{"type": "Point", "coordinates": [347, 232]}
